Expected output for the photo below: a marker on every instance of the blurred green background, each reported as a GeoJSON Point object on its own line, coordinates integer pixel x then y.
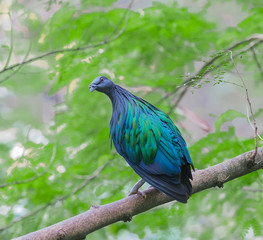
{"type": "Point", "coordinates": [55, 155]}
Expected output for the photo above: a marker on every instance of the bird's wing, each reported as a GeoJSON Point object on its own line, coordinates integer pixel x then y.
{"type": "Point", "coordinates": [151, 140]}
{"type": "Point", "coordinates": [141, 140]}
{"type": "Point", "coordinates": [155, 149]}
{"type": "Point", "coordinates": [169, 171]}
{"type": "Point", "coordinates": [171, 154]}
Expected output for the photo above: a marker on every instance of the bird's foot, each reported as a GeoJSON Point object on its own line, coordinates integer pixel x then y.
{"type": "Point", "coordinates": [132, 193]}
{"type": "Point", "coordinates": [143, 194]}
{"type": "Point", "coordinates": [136, 187]}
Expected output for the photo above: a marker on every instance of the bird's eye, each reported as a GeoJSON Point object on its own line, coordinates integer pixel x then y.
{"type": "Point", "coordinates": [101, 80]}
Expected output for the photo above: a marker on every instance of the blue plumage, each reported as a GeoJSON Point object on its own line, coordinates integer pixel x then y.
{"type": "Point", "coordinates": [148, 140]}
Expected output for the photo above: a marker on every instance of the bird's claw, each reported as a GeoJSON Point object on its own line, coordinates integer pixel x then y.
{"type": "Point", "coordinates": [133, 192]}
{"type": "Point", "coordinates": [136, 187]}
{"type": "Point", "coordinates": [143, 194]}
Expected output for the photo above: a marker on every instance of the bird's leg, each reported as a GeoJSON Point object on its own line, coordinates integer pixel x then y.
{"type": "Point", "coordinates": [136, 188]}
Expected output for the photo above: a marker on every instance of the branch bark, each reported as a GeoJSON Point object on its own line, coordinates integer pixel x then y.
{"type": "Point", "coordinates": [100, 216]}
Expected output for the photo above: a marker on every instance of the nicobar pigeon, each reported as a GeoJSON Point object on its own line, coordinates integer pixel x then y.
{"type": "Point", "coordinates": [148, 140]}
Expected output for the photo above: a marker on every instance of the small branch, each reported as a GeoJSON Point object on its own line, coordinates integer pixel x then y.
{"type": "Point", "coordinates": [59, 199]}
{"type": "Point", "coordinates": [100, 216]}
{"type": "Point", "coordinates": [123, 19]}
{"type": "Point", "coordinates": [106, 41]}
{"type": "Point", "coordinates": [256, 60]}
{"type": "Point", "coordinates": [236, 84]}
{"type": "Point", "coordinates": [252, 190]}
{"type": "Point", "coordinates": [19, 67]}
{"type": "Point", "coordinates": [54, 151]}
{"type": "Point", "coordinates": [205, 69]}
{"type": "Point", "coordinates": [11, 42]}
{"type": "Point", "coordinates": [251, 45]}
{"type": "Point", "coordinates": [248, 119]}
{"type": "Point", "coordinates": [59, 51]}
{"type": "Point", "coordinates": [250, 107]}
{"type": "Point", "coordinates": [24, 217]}
{"type": "Point", "coordinates": [36, 176]}
{"type": "Point", "coordinates": [81, 186]}
{"type": "Point", "coordinates": [179, 99]}
{"type": "Point", "coordinates": [190, 81]}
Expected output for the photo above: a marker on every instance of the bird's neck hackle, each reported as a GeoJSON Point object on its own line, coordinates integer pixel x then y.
{"type": "Point", "coordinates": [119, 97]}
{"type": "Point", "coordinates": [122, 102]}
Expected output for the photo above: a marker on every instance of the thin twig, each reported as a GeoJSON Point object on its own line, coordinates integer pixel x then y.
{"type": "Point", "coordinates": [19, 67]}
{"type": "Point", "coordinates": [256, 60]}
{"type": "Point", "coordinates": [248, 119]}
{"type": "Point", "coordinates": [11, 42]}
{"type": "Point", "coordinates": [27, 137]}
{"type": "Point", "coordinates": [59, 199]}
{"type": "Point", "coordinates": [252, 190]}
{"type": "Point", "coordinates": [23, 217]}
{"type": "Point", "coordinates": [123, 19]}
{"type": "Point", "coordinates": [54, 151]}
{"type": "Point", "coordinates": [250, 107]}
{"type": "Point", "coordinates": [59, 51]}
{"type": "Point", "coordinates": [205, 69]}
{"type": "Point", "coordinates": [106, 41]}
{"type": "Point", "coordinates": [37, 175]}
{"type": "Point", "coordinates": [236, 84]}
{"type": "Point", "coordinates": [251, 45]}
{"type": "Point", "coordinates": [88, 179]}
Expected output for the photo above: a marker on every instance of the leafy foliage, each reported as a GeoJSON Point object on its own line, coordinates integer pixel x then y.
{"type": "Point", "coordinates": [54, 134]}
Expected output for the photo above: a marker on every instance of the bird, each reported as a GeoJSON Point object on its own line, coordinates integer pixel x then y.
{"type": "Point", "coordinates": [149, 141]}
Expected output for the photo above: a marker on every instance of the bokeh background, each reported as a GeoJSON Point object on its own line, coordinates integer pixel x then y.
{"type": "Point", "coordinates": [55, 155]}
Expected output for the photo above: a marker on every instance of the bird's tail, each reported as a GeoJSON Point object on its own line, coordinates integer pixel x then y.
{"type": "Point", "coordinates": [178, 187]}
{"type": "Point", "coordinates": [172, 187]}
{"type": "Point", "coordinates": [186, 175]}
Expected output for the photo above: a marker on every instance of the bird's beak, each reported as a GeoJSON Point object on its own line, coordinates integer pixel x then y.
{"type": "Point", "coordinates": [92, 87]}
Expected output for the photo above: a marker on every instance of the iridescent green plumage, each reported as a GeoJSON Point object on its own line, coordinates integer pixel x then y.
{"type": "Point", "coordinates": [141, 134]}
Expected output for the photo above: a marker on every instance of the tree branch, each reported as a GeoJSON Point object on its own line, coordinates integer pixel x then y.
{"type": "Point", "coordinates": [252, 41]}
{"type": "Point", "coordinates": [11, 42]}
{"type": "Point", "coordinates": [18, 68]}
{"type": "Point", "coordinates": [256, 60]}
{"type": "Point", "coordinates": [100, 216]}
{"type": "Point", "coordinates": [38, 175]}
{"type": "Point", "coordinates": [252, 190]}
{"type": "Point", "coordinates": [110, 39]}
{"type": "Point", "coordinates": [59, 199]}
{"type": "Point", "coordinates": [250, 106]}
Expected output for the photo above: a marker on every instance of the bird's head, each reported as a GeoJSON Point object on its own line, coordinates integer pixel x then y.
{"type": "Point", "coordinates": [101, 84]}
